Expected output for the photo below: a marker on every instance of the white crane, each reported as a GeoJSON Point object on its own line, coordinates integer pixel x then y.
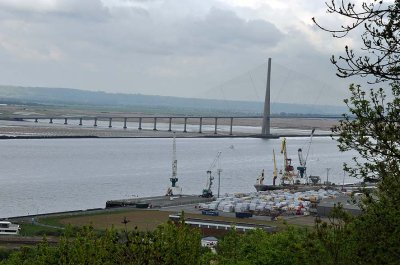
{"type": "Point", "coordinates": [174, 189]}
{"type": "Point", "coordinates": [303, 161]}
{"type": "Point", "coordinates": [174, 177]}
{"type": "Point", "coordinates": [207, 192]}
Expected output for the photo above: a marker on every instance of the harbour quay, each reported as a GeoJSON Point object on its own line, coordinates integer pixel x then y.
{"type": "Point", "coordinates": [158, 201]}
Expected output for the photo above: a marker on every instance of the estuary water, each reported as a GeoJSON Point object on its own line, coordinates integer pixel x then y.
{"type": "Point", "coordinates": [50, 175]}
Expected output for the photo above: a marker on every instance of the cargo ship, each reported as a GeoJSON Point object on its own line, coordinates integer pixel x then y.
{"type": "Point", "coordinates": [289, 178]}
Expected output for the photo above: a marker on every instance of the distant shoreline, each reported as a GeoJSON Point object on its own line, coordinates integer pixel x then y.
{"type": "Point", "coordinates": [33, 137]}
{"type": "Point", "coordinates": [6, 137]}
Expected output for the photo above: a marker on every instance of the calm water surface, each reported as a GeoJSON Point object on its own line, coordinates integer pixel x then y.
{"type": "Point", "coordinates": [40, 176]}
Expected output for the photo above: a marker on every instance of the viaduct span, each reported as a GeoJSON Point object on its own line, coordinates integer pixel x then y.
{"type": "Point", "coordinates": [265, 130]}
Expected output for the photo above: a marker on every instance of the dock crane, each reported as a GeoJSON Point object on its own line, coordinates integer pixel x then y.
{"type": "Point", "coordinates": [174, 189]}
{"type": "Point", "coordinates": [275, 169]}
{"type": "Point", "coordinates": [288, 173]}
{"type": "Point", "coordinates": [260, 179]}
{"type": "Point", "coordinates": [303, 161]}
{"type": "Point", "coordinates": [207, 192]}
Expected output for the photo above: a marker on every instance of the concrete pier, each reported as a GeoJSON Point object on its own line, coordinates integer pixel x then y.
{"type": "Point", "coordinates": [125, 120]}
{"type": "Point", "coordinates": [110, 123]}
{"type": "Point", "coordinates": [170, 125]}
{"type": "Point", "coordinates": [155, 124]}
{"type": "Point", "coordinates": [184, 126]}
{"type": "Point", "coordinates": [159, 201]}
{"type": "Point", "coordinates": [200, 124]}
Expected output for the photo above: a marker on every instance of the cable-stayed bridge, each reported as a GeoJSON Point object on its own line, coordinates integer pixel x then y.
{"type": "Point", "coordinates": [250, 86]}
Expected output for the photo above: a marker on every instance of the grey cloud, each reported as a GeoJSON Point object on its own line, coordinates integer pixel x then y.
{"type": "Point", "coordinates": [157, 35]}
{"type": "Point", "coordinates": [136, 30]}
{"type": "Point", "coordinates": [143, 50]}
{"type": "Point", "coordinates": [140, 1]}
{"type": "Point", "coordinates": [72, 9]}
{"type": "Point", "coordinates": [224, 28]}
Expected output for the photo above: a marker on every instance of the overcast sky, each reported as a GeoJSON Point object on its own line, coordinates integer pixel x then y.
{"type": "Point", "coordinates": [184, 48]}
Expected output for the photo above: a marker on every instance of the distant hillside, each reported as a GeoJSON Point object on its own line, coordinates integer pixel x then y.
{"type": "Point", "coordinates": [160, 104]}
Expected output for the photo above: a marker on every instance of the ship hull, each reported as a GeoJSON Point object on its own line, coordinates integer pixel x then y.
{"type": "Point", "coordinates": [268, 187]}
{"type": "Point", "coordinates": [289, 187]}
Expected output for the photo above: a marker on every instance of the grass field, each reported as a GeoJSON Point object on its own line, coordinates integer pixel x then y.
{"type": "Point", "coordinates": [148, 220]}
{"type": "Point", "coordinates": [144, 220]}
{"type": "Point", "coordinates": [37, 230]}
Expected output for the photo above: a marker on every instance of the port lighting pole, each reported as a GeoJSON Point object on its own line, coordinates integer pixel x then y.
{"type": "Point", "coordinates": [327, 175]}
{"type": "Point", "coordinates": [267, 104]}
{"type": "Point", "coordinates": [219, 180]}
{"type": "Point", "coordinates": [344, 174]}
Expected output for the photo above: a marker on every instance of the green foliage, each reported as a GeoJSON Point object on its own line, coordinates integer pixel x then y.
{"type": "Point", "coordinates": [374, 134]}
{"type": "Point", "coordinates": [37, 230]}
{"type": "Point", "coordinates": [373, 129]}
{"type": "Point", "coordinates": [259, 247]}
{"type": "Point", "coordinates": [5, 253]}
{"type": "Point", "coordinates": [335, 238]}
{"type": "Point", "coordinates": [41, 254]}
{"type": "Point", "coordinates": [169, 244]}
{"type": "Point", "coordinates": [378, 234]}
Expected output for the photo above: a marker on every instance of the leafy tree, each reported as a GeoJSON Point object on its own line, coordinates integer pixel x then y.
{"type": "Point", "coordinates": [380, 55]}
{"type": "Point", "coordinates": [332, 242]}
{"type": "Point", "coordinates": [373, 126]}
{"type": "Point", "coordinates": [259, 247]}
{"type": "Point", "coordinates": [169, 244]}
{"type": "Point", "coordinates": [374, 121]}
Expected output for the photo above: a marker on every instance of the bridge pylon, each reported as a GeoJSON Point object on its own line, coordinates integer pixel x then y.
{"type": "Point", "coordinates": [266, 125]}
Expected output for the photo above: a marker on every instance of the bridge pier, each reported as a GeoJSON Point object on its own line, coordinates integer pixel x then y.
{"type": "Point", "coordinates": [36, 120]}
{"type": "Point", "coordinates": [125, 120]}
{"type": "Point", "coordinates": [265, 130]}
{"type": "Point", "coordinates": [80, 121]}
{"type": "Point", "coordinates": [51, 120]}
{"type": "Point", "coordinates": [216, 125]}
{"type": "Point", "coordinates": [110, 123]}
{"type": "Point", "coordinates": [155, 124]}
{"type": "Point", "coordinates": [170, 125]}
{"type": "Point", "coordinates": [200, 124]}
{"type": "Point", "coordinates": [140, 123]}
{"type": "Point", "coordinates": [230, 131]}
{"type": "Point", "coordinates": [184, 126]}
{"type": "Point", "coordinates": [65, 121]}
{"type": "Point", "coordinates": [95, 122]}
